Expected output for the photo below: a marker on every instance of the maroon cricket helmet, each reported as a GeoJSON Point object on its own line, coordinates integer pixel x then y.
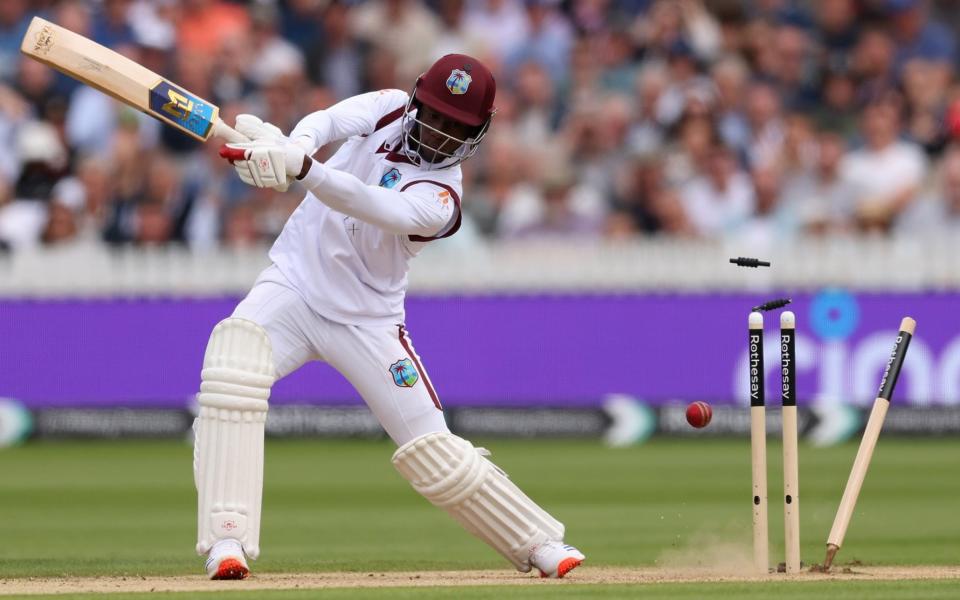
{"type": "Point", "coordinates": [459, 87]}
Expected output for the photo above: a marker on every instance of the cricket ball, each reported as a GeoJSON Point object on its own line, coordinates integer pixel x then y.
{"type": "Point", "coordinates": [699, 414]}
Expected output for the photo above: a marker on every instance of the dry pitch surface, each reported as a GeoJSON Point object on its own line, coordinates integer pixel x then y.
{"type": "Point", "coordinates": [584, 576]}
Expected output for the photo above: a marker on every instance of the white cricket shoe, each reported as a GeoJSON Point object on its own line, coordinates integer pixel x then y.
{"type": "Point", "coordinates": [555, 559]}
{"type": "Point", "coordinates": [226, 561]}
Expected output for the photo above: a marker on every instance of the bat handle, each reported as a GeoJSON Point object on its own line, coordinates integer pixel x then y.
{"type": "Point", "coordinates": [222, 130]}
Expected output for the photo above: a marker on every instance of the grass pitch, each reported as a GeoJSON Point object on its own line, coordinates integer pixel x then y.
{"type": "Point", "coordinates": [127, 508]}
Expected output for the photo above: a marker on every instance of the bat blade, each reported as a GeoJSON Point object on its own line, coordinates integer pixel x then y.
{"type": "Point", "coordinates": [129, 82]}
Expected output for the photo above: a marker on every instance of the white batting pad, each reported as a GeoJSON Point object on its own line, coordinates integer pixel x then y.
{"type": "Point", "coordinates": [238, 372]}
{"type": "Point", "coordinates": [449, 472]}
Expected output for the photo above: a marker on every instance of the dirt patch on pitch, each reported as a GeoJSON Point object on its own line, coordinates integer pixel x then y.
{"type": "Point", "coordinates": [584, 576]}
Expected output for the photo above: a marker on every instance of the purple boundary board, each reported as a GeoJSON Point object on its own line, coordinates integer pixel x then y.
{"type": "Point", "coordinates": [550, 350]}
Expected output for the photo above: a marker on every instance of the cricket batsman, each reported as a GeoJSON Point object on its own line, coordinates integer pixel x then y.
{"type": "Point", "coordinates": [335, 292]}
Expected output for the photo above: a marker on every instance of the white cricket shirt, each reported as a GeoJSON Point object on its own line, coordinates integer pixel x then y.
{"type": "Point", "coordinates": [368, 211]}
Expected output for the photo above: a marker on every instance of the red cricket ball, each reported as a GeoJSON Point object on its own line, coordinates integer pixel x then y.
{"type": "Point", "coordinates": [699, 414]}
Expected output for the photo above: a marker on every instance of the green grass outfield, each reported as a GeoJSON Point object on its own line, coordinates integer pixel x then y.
{"type": "Point", "coordinates": [128, 508]}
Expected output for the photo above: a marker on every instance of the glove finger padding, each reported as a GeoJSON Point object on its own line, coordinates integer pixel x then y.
{"type": "Point", "coordinates": [256, 129]}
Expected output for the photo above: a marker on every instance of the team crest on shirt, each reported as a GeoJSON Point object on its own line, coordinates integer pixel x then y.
{"type": "Point", "coordinates": [404, 373]}
{"type": "Point", "coordinates": [459, 82]}
{"type": "Point", "coordinates": [390, 178]}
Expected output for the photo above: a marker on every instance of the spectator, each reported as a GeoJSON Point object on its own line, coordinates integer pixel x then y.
{"type": "Point", "coordinates": [791, 12]}
{"type": "Point", "coordinates": [838, 108]}
{"type": "Point", "coordinates": [381, 69]}
{"type": "Point", "coordinates": [240, 227]}
{"type": "Point", "coordinates": [110, 25]}
{"type": "Point", "coordinates": [925, 86]}
{"type": "Point", "coordinates": [564, 209]}
{"type": "Point", "coordinates": [456, 35]}
{"type": "Point", "coordinates": [799, 150]}
{"type": "Point", "coordinates": [403, 28]}
{"type": "Point", "coordinates": [730, 80]}
{"type": "Point", "coordinates": [715, 90]}
{"type": "Point", "coordinates": [43, 162]}
{"type": "Point", "coordinates": [501, 180]}
{"type": "Point", "coordinates": [686, 84]}
{"type": "Point", "coordinates": [335, 59]}
{"type": "Point", "coordinates": [668, 23]}
{"type": "Point", "coordinates": [502, 20]}
{"type": "Point", "coordinates": [37, 85]}
{"type": "Point", "coordinates": [300, 22]}
{"type": "Point", "coordinates": [822, 200]}
{"type": "Point", "coordinates": [696, 137]}
{"type": "Point", "coordinates": [584, 82]}
{"type": "Point", "coordinates": [701, 29]}
{"type": "Point", "coordinates": [618, 70]}
{"type": "Point", "coordinates": [635, 196]}
{"type": "Point", "coordinates": [271, 56]}
{"type": "Point", "coordinates": [796, 68]}
{"type": "Point", "coordinates": [211, 192]}
{"type": "Point", "coordinates": [937, 211]}
{"type": "Point", "coordinates": [98, 193]}
{"type": "Point", "coordinates": [537, 109]}
{"type": "Point", "coordinates": [838, 32]}
{"type": "Point", "coordinates": [153, 25]}
{"type": "Point", "coordinates": [772, 221]}
{"type": "Point", "coordinates": [873, 63]}
{"type": "Point", "coordinates": [671, 215]}
{"type": "Point", "coordinates": [765, 119]}
{"type": "Point", "coordinates": [916, 36]}
{"type": "Point", "coordinates": [595, 140]}
{"type": "Point", "coordinates": [720, 199]}
{"type": "Point", "coordinates": [886, 173]}
{"type": "Point", "coordinates": [61, 225]}
{"type": "Point", "coordinates": [208, 24]}
{"type": "Point", "coordinates": [153, 225]}
{"type": "Point", "coordinates": [646, 135]}
{"type": "Point", "coordinates": [14, 111]}
{"type": "Point", "coordinates": [13, 25]}
{"type": "Point", "coordinates": [547, 42]}
{"type": "Point", "coordinates": [130, 165]}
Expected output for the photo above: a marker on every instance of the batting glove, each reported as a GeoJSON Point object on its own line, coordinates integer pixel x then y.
{"type": "Point", "coordinates": [269, 160]}
{"type": "Point", "coordinates": [256, 129]}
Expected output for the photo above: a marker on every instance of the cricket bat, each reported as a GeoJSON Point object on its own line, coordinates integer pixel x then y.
{"type": "Point", "coordinates": [125, 80]}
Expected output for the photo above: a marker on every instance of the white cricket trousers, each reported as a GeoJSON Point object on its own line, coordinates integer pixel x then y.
{"type": "Point", "coordinates": [379, 361]}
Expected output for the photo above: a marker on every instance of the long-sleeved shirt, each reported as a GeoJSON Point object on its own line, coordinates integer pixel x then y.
{"type": "Point", "coordinates": [367, 212]}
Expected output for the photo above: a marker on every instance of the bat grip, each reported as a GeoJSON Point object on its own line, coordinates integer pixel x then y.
{"type": "Point", "coordinates": [222, 130]}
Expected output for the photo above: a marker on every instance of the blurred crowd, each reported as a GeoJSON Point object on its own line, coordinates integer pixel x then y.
{"type": "Point", "coordinates": [759, 120]}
